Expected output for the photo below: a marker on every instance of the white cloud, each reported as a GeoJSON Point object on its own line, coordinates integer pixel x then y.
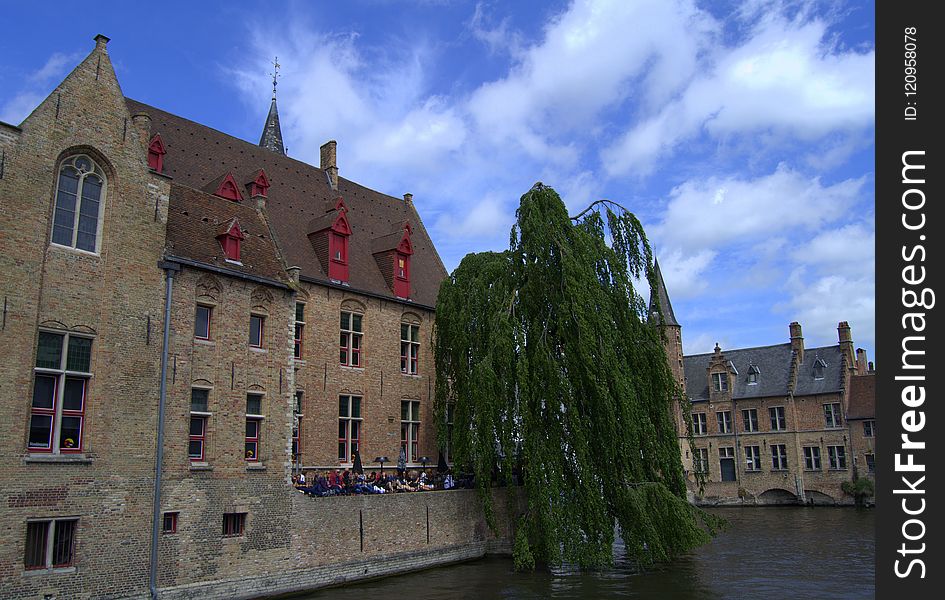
{"type": "Point", "coordinates": [684, 273]}
{"type": "Point", "coordinates": [718, 212]}
{"type": "Point", "coordinates": [488, 217]}
{"type": "Point", "coordinates": [37, 86]}
{"type": "Point", "coordinates": [786, 79]}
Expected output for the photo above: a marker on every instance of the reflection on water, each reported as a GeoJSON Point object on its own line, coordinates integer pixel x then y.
{"type": "Point", "coordinates": [765, 552]}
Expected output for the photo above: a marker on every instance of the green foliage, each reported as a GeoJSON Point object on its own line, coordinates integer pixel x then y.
{"type": "Point", "coordinates": [861, 489]}
{"type": "Point", "coordinates": [522, 552]}
{"type": "Point", "coordinates": [545, 353]}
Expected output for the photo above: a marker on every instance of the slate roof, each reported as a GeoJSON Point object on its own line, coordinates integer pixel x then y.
{"type": "Point", "coordinates": [196, 218]}
{"type": "Point", "coordinates": [271, 137]}
{"type": "Point", "coordinates": [774, 364]}
{"type": "Point", "coordinates": [299, 194]}
{"type": "Point", "coordinates": [663, 296]}
{"type": "Point", "coordinates": [862, 397]}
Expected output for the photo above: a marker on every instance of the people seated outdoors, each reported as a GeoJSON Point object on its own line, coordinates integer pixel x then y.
{"type": "Point", "coordinates": [335, 482]}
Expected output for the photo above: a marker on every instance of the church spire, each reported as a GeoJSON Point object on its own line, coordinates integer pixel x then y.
{"type": "Point", "coordinates": [271, 138]}
{"type": "Point", "coordinates": [660, 293]}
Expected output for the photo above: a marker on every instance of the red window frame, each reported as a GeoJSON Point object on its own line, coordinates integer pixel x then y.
{"type": "Point", "coordinates": [201, 438]}
{"type": "Point", "coordinates": [57, 413]}
{"type": "Point", "coordinates": [351, 341]}
{"type": "Point", "coordinates": [349, 426]}
{"type": "Point", "coordinates": [209, 310]}
{"type": "Point", "coordinates": [339, 248]}
{"type": "Point", "coordinates": [299, 330]}
{"type": "Point", "coordinates": [409, 349]}
{"type": "Point", "coordinates": [262, 330]}
{"type": "Point", "coordinates": [169, 522]}
{"type": "Point", "coordinates": [251, 448]}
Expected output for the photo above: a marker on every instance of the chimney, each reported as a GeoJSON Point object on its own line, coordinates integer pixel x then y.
{"type": "Point", "coordinates": [870, 368]}
{"type": "Point", "coordinates": [861, 364]}
{"type": "Point", "coordinates": [797, 340]}
{"type": "Point", "coordinates": [408, 199]}
{"type": "Point", "coordinates": [142, 123]}
{"type": "Point", "coordinates": [329, 162]}
{"type": "Point", "coordinates": [101, 41]}
{"type": "Point", "coordinates": [846, 342]}
{"type": "Point", "coordinates": [294, 273]}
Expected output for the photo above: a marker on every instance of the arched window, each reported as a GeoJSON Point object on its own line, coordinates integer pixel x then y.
{"type": "Point", "coordinates": [79, 196]}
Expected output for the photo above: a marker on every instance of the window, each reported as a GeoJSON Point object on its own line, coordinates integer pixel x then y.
{"type": "Point", "coordinates": [297, 428]}
{"type": "Point", "coordinates": [349, 427]}
{"type": "Point", "coordinates": [778, 422]}
{"type": "Point", "coordinates": [339, 249]}
{"type": "Point", "coordinates": [256, 327]}
{"type": "Point", "coordinates": [156, 152]}
{"type": "Point", "coordinates": [230, 241]}
{"type": "Point", "coordinates": [819, 366]}
{"type": "Point", "coordinates": [410, 428]}
{"type": "Point", "coordinates": [832, 415]}
{"type": "Point", "coordinates": [351, 339]}
{"type": "Point", "coordinates": [868, 427]}
{"type": "Point", "coordinates": [202, 322]}
{"type": "Point", "coordinates": [254, 420]}
{"type": "Point", "coordinates": [750, 419]}
{"type": "Point", "coordinates": [79, 194]}
{"type": "Point", "coordinates": [698, 424]}
{"type": "Point", "coordinates": [169, 524]}
{"type": "Point", "coordinates": [752, 458]}
{"type": "Point", "coordinates": [753, 372]}
{"type": "Point", "coordinates": [727, 464]}
{"type": "Point", "coordinates": [199, 404]}
{"type": "Point", "coordinates": [720, 380]}
{"type": "Point", "coordinates": [724, 419]}
{"type": "Point", "coordinates": [60, 381]}
{"type": "Point", "coordinates": [837, 456]}
{"type": "Point", "coordinates": [870, 463]}
{"type": "Point", "coordinates": [234, 524]}
{"type": "Point", "coordinates": [50, 544]}
{"type": "Point", "coordinates": [299, 329]}
{"type": "Point", "coordinates": [778, 457]}
{"type": "Point", "coordinates": [409, 348]}
{"type": "Point", "coordinates": [700, 460]}
{"type": "Point", "coordinates": [812, 458]}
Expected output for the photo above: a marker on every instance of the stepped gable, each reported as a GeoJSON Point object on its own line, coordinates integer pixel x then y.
{"type": "Point", "coordinates": [196, 218]}
{"type": "Point", "coordinates": [299, 194]}
{"type": "Point", "coordinates": [774, 364]}
{"type": "Point", "coordinates": [862, 397]}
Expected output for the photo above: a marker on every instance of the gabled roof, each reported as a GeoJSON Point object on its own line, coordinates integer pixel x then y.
{"type": "Point", "coordinates": [774, 366]}
{"type": "Point", "coordinates": [862, 397]}
{"type": "Point", "coordinates": [194, 221]}
{"type": "Point", "coordinates": [197, 154]}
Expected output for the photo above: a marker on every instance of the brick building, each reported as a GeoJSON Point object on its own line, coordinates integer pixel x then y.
{"type": "Point", "coordinates": [773, 424]}
{"type": "Point", "coordinates": [300, 314]}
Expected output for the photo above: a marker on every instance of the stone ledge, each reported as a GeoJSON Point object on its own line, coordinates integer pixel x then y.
{"type": "Point", "coordinates": [60, 459]}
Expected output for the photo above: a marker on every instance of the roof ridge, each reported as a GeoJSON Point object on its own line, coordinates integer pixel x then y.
{"type": "Point", "coordinates": [738, 350]}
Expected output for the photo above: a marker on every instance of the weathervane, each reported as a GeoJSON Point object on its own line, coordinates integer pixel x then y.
{"type": "Point", "coordinates": [275, 76]}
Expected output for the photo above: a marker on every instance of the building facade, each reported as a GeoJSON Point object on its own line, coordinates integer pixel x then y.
{"type": "Point", "coordinates": [300, 310]}
{"type": "Point", "coordinates": [774, 424]}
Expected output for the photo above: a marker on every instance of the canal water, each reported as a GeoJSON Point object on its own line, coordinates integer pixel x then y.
{"type": "Point", "coordinates": [765, 552]}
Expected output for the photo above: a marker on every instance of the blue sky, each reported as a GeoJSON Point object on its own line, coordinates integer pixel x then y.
{"type": "Point", "coordinates": [741, 133]}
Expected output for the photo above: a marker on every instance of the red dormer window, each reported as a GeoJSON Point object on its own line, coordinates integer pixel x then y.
{"type": "Point", "coordinates": [156, 152]}
{"type": "Point", "coordinates": [260, 185]}
{"type": "Point", "coordinates": [230, 241]}
{"type": "Point", "coordinates": [228, 189]}
{"type": "Point", "coordinates": [338, 244]}
{"type": "Point", "coordinates": [401, 257]}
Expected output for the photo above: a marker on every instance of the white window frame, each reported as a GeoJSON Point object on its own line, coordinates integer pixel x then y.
{"type": "Point", "coordinates": [833, 419]}
{"type": "Point", "coordinates": [779, 461]}
{"type": "Point", "coordinates": [869, 428]}
{"type": "Point", "coordinates": [834, 455]}
{"type": "Point", "coordinates": [720, 381]}
{"type": "Point", "coordinates": [750, 424]}
{"type": "Point", "coordinates": [812, 459]}
{"type": "Point", "coordinates": [724, 420]}
{"type": "Point", "coordinates": [699, 424]}
{"type": "Point", "coordinates": [700, 460]}
{"type": "Point", "coordinates": [412, 423]}
{"type": "Point", "coordinates": [205, 415]}
{"type": "Point", "coordinates": [780, 418]}
{"type": "Point", "coordinates": [752, 458]}
{"type": "Point", "coordinates": [97, 171]}
{"type": "Point", "coordinates": [409, 349]}
{"type": "Point", "coordinates": [347, 421]}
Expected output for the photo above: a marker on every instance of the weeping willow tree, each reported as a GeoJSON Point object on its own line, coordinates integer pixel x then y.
{"type": "Point", "coordinates": [545, 360]}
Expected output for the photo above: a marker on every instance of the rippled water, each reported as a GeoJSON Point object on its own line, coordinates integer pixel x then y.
{"type": "Point", "coordinates": [765, 552]}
